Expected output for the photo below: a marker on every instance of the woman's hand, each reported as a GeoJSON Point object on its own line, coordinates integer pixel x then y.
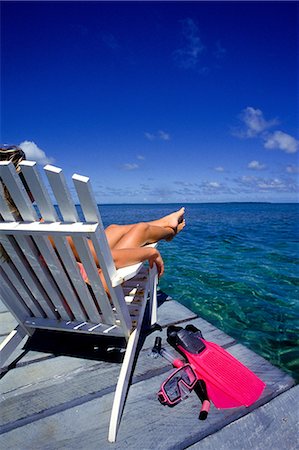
{"type": "Point", "coordinates": [156, 258]}
{"type": "Point", "coordinates": [127, 256]}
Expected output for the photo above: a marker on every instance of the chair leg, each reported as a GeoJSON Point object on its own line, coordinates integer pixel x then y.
{"type": "Point", "coordinates": [10, 343]}
{"type": "Point", "coordinates": [123, 385]}
{"type": "Point", "coordinates": [153, 295]}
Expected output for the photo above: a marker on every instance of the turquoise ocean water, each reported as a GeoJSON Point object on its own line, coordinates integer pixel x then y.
{"type": "Point", "coordinates": [236, 265]}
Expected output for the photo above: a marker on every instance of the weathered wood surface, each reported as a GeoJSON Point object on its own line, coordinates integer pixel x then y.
{"type": "Point", "coordinates": [272, 426]}
{"type": "Point", "coordinates": [62, 402]}
{"type": "Point", "coordinates": [7, 322]}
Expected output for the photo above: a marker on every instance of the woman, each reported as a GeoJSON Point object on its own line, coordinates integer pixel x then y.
{"type": "Point", "coordinates": [127, 242]}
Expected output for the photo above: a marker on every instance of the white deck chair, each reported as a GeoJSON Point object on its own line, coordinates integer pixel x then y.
{"type": "Point", "coordinates": [43, 288]}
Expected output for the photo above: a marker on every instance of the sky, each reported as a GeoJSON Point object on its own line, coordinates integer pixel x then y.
{"type": "Point", "coordinates": [157, 102]}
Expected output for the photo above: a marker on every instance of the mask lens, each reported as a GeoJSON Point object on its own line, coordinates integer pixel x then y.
{"type": "Point", "coordinates": [183, 376]}
{"type": "Point", "coordinates": [188, 376]}
{"type": "Point", "coordinates": [171, 388]}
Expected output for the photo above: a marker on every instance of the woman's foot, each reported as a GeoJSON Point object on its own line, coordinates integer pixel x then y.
{"type": "Point", "coordinates": [173, 220]}
{"type": "Point", "coordinates": [180, 226]}
{"type": "Point", "coordinates": [175, 231]}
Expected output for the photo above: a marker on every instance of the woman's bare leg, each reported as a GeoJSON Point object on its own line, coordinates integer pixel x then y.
{"type": "Point", "coordinates": [143, 233]}
{"type": "Point", "coordinates": [115, 233]}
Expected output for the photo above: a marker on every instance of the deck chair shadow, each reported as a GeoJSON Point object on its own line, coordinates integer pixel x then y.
{"type": "Point", "coordinates": [43, 287]}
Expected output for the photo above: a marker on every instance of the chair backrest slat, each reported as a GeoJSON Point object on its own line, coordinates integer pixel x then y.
{"type": "Point", "coordinates": [91, 214]}
{"type": "Point", "coordinates": [4, 209]}
{"type": "Point", "coordinates": [25, 294]}
{"type": "Point", "coordinates": [55, 267]}
{"type": "Point", "coordinates": [13, 300]}
{"type": "Point", "coordinates": [116, 293]}
{"type": "Point", "coordinates": [17, 192]}
{"type": "Point", "coordinates": [62, 194]}
{"type": "Point", "coordinates": [63, 248]}
{"type": "Point", "coordinates": [39, 192]}
{"type": "Point", "coordinates": [94, 279]}
{"type": "Point", "coordinates": [41, 269]}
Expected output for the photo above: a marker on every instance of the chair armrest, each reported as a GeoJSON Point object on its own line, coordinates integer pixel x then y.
{"type": "Point", "coordinates": [126, 273]}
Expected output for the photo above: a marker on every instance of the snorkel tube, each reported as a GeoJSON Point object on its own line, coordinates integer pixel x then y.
{"type": "Point", "coordinates": [169, 356]}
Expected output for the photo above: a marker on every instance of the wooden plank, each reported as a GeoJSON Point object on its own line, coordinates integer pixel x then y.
{"type": "Point", "coordinates": [173, 312]}
{"type": "Point", "coordinates": [50, 383]}
{"type": "Point", "coordinates": [2, 308]}
{"type": "Point", "coordinates": [82, 383]}
{"type": "Point", "coordinates": [76, 404]}
{"type": "Point", "coordinates": [88, 422]}
{"type": "Point", "coordinates": [11, 343]}
{"type": "Point", "coordinates": [274, 425]}
{"type": "Point", "coordinates": [7, 323]}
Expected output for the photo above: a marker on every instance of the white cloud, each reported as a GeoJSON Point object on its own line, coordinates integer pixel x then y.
{"type": "Point", "coordinates": [214, 184]}
{"type": "Point", "coordinates": [160, 135]}
{"type": "Point", "coordinates": [141, 157]}
{"type": "Point", "coordinates": [130, 166]}
{"type": "Point", "coordinates": [34, 153]}
{"type": "Point", "coordinates": [252, 184]}
{"type": "Point", "coordinates": [150, 136]}
{"type": "Point", "coordinates": [272, 184]}
{"type": "Point", "coordinates": [255, 123]}
{"type": "Point", "coordinates": [219, 169]}
{"type": "Point", "coordinates": [281, 141]}
{"type": "Point", "coordinates": [256, 165]}
{"type": "Point", "coordinates": [188, 55]}
{"type": "Point", "coordinates": [292, 169]}
{"type": "Point", "coordinates": [257, 126]}
{"type": "Point", "coordinates": [164, 136]}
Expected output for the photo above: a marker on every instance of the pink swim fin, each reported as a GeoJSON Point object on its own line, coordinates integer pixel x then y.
{"type": "Point", "coordinates": [229, 383]}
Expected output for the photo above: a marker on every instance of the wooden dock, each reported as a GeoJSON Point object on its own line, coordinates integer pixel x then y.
{"type": "Point", "coordinates": [60, 402]}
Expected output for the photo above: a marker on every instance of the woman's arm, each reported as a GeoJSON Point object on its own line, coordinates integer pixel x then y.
{"type": "Point", "coordinates": [127, 257]}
